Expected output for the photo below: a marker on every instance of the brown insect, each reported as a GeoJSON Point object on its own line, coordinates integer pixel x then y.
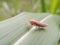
{"type": "Point", "coordinates": [37, 23]}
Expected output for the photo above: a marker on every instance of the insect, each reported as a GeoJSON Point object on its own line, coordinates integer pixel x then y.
{"type": "Point", "coordinates": [37, 23]}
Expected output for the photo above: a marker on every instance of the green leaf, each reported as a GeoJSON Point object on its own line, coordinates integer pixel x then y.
{"type": "Point", "coordinates": [13, 28]}
{"type": "Point", "coordinates": [42, 36]}
{"type": "Point", "coordinates": [18, 31]}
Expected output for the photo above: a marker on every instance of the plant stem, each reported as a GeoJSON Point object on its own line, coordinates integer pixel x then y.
{"type": "Point", "coordinates": [53, 6]}
{"type": "Point", "coordinates": [43, 6]}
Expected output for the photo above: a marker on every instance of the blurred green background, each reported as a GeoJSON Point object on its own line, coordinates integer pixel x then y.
{"type": "Point", "coordinates": [10, 8]}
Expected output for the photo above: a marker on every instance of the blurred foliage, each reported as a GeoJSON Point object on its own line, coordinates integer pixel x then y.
{"type": "Point", "coordinates": [53, 6]}
{"type": "Point", "coordinates": [10, 8]}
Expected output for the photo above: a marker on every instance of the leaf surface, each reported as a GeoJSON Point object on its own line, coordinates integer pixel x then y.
{"type": "Point", "coordinates": [13, 28]}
